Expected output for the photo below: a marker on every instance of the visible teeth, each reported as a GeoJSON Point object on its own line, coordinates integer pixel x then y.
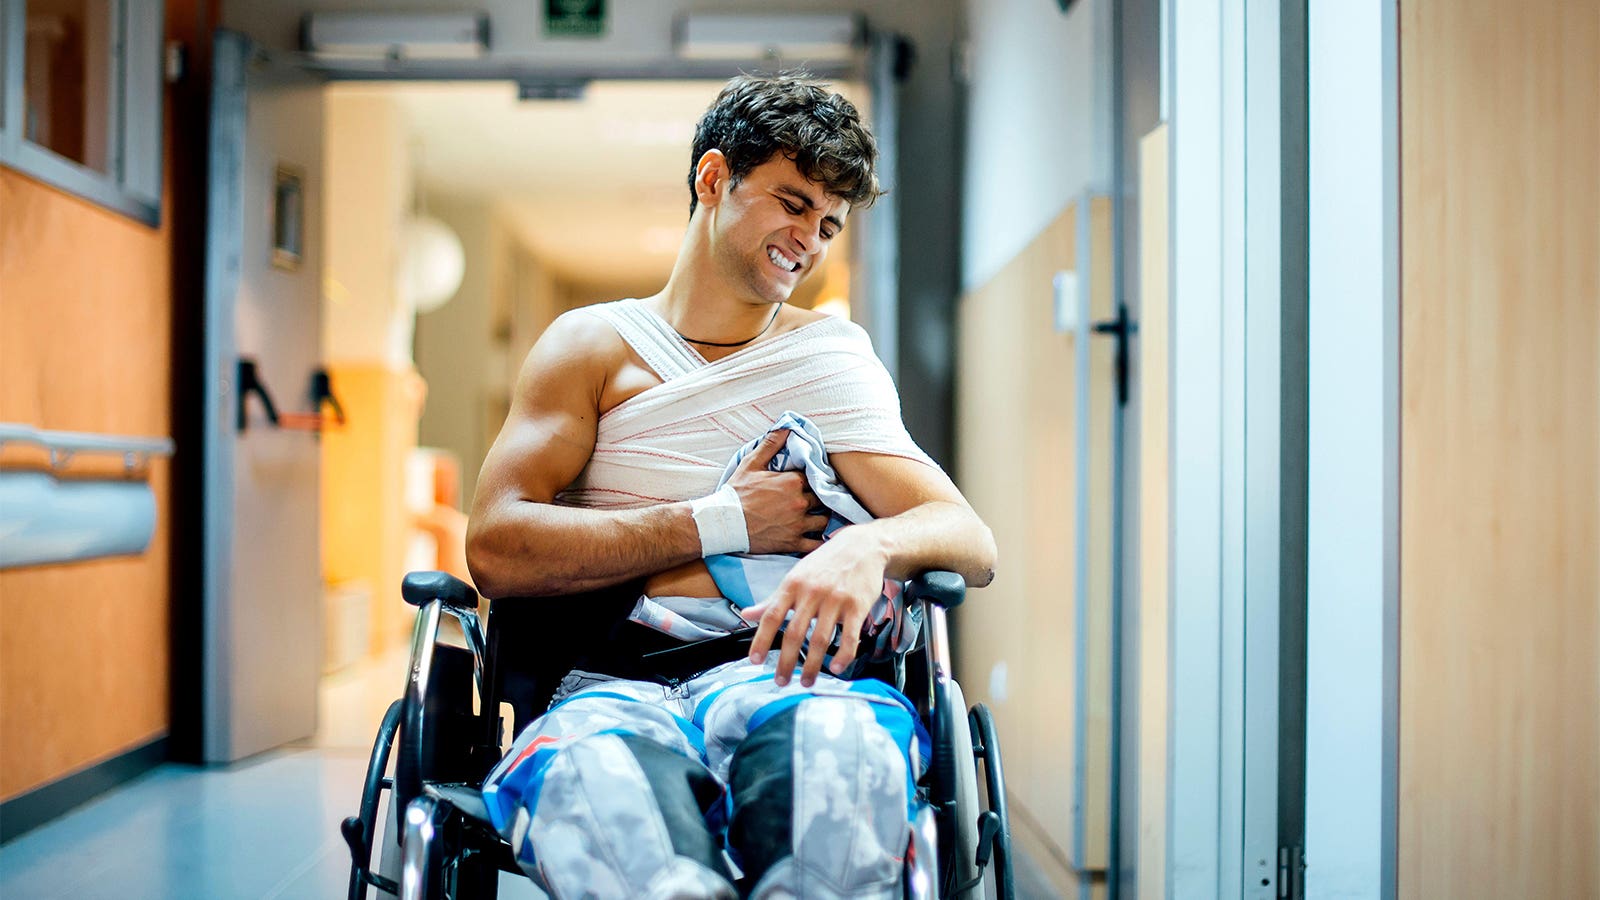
{"type": "Point", "coordinates": [777, 257]}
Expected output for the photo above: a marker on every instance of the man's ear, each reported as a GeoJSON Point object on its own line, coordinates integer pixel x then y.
{"type": "Point", "coordinates": [711, 178]}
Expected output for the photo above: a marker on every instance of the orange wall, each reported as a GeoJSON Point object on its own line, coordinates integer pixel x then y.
{"type": "Point", "coordinates": [365, 523]}
{"type": "Point", "coordinates": [85, 345]}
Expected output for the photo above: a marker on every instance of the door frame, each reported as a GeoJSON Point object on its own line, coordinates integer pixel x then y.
{"type": "Point", "coordinates": [1238, 463]}
{"type": "Point", "coordinates": [204, 712]}
{"type": "Point", "coordinates": [1353, 548]}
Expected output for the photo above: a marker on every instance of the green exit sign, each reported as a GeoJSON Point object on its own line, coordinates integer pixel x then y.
{"type": "Point", "coordinates": [575, 18]}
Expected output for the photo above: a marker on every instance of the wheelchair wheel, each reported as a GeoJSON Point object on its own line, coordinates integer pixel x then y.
{"type": "Point", "coordinates": [964, 880]}
{"type": "Point", "coordinates": [986, 743]}
{"type": "Point", "coordinates": [360, 830]}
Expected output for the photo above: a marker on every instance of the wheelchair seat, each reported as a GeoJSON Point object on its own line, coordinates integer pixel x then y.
{"type": "Point", "coordinates": [443, 841]}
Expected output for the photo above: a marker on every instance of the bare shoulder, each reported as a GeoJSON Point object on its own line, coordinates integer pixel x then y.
{"type": "Point", "coordinates": [578, 349]}
{"type": "Point", "coordinates": [578, 335]}
{"type": "Point", "coordinates": [796, 318]}
{"type": "Point", "coordinates": [800, 317]}
{"type": "Point", "coordinates": [549, 431]}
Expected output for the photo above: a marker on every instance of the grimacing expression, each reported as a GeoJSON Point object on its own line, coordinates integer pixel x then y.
{"type": "Point", "coordinates": [774, 229]}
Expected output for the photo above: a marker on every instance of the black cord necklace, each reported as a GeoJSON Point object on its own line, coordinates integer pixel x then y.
{"type": "Point", "coordinates": [747, 340]}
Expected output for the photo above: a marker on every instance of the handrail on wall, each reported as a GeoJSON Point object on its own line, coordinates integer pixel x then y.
{"type": "Point", "coordinates": [63, 445]}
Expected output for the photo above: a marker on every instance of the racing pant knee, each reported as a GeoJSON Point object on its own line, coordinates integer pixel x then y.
{"type": "Point", "coordinates": [820, 794]}
{"type": "Point", "coordinates": [618, 815]}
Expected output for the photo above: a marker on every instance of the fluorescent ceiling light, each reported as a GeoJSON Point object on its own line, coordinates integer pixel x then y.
{"type": "Point", "coordinates": [795, 38]}
{"type": "Point", "coordinates": [392, 35]}
{"type": "Point", "coordinates": [552, 88]}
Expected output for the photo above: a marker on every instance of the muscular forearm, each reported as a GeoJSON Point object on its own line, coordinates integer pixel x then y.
{"type": "Point", "coordinates": [836, 585]}
{"type": "Point", "coordinates": [934, 535]}
{"type": "Point", "coordinates": [518, 547]}
{"type": "Point", "coordinates": [528, 549]}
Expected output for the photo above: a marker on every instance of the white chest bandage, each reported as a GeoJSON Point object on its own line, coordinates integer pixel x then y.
{"type": "Point", "coordinates": [671, 443]}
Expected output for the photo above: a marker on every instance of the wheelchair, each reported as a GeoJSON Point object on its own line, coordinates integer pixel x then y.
{"type": "Point", "coordinates": [438, 842]}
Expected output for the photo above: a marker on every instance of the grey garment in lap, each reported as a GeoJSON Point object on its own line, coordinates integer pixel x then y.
{"type": "Point", "coordinates": [594, 828]}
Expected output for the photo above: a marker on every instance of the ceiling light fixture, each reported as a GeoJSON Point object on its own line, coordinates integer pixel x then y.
{"type": "Point", "coordinates": [391, 35]}
{"type": "Point", "coordinates": [822, 37]}
{"type": "Point", "coordinates": [552, 88]}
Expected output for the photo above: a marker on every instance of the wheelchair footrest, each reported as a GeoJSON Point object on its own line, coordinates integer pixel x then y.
{"type": "Point", "coordinates": [465, 798]}
{"type": "Point", "coordinates": [467, 802]}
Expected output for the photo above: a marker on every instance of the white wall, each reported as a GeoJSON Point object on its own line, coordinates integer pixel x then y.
{"type": "Point", "coordinates": [1038, 128]}
{"type": "Point", "coordinates": [1351, 492]}
{"type": "Point", "coordinates": [453, 345]}
{"type": "Point", "coordinates": [367, 171]}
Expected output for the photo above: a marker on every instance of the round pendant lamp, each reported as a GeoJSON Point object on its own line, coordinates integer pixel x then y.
{"type": "Point", "coordinates": [431, 264]}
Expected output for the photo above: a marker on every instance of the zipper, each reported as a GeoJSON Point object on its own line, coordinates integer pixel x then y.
{"type": "Point", "coordinates": [678, 692]}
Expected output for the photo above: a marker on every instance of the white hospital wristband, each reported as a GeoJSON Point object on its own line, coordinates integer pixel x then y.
{"type": "Point", "coordinates": [720, 518]}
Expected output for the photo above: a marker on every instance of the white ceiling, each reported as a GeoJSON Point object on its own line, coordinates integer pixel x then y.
{"type": "Point", "coordinates": [596, 187]}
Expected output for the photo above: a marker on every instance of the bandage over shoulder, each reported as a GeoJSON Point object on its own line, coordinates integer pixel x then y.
{"type": "Point", "coordinates": [720, 520]}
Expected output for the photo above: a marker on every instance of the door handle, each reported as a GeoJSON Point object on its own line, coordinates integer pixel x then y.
{"type": "Point", "coordinates": [1122, 329]}
{"type": "Point", "coordinates": [322, 392]}
{"type": "Point", "coordinates": [250, 383]}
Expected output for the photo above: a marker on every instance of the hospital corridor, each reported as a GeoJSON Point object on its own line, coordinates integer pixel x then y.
{"type": "Point", "coordinates": [1091, 449]}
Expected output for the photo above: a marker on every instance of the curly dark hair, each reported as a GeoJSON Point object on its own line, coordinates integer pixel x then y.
{"type": "Point", "coordinates": [758, 116]}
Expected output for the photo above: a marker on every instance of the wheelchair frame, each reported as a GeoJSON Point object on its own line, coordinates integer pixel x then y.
{"type": "Point", "coordinates": [445, 846]}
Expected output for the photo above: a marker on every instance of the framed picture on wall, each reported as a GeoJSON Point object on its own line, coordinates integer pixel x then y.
{"type": "Point", "coordinates": [288, 216]}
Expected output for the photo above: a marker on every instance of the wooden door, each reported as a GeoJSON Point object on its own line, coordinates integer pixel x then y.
{"type": "Point", "coordinates": [1499, 781]}
{"type": "Point", "coordinates": [1036, 646]}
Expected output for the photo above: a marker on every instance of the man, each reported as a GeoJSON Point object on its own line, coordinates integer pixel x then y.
{"type": "Point", "coordinates": [605, 476]}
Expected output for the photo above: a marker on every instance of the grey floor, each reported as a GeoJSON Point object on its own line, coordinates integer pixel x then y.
{"type": "Point", "coordinates": [266, 827]}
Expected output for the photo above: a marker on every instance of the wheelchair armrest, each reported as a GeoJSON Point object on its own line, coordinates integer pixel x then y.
{"type": "Point", "coordinates": [946, 589]}
{"type": "Point", "coordinates": [420, 587]}
{"type": "Point", "coordinates": [456, 598]}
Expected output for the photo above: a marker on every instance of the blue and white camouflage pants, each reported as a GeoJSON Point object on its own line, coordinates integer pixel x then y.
{"type": "Point", "coordinates": [634, 789]}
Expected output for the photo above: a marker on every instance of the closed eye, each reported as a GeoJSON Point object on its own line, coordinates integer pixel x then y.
{"type": "Point", "coordinates": [795, 209]}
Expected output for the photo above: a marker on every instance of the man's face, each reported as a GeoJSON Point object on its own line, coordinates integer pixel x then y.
{"type": "Point", "coordinates": [773, 228]}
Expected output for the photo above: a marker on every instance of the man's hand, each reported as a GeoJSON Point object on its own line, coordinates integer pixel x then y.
{"type": "Point", "coordinates": [778, 506]}
{"type": "Point", "coordinates": [836, 586]}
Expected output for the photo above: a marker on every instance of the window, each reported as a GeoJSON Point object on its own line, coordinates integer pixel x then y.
{"type": "Point", "coordinates": [80, 98]}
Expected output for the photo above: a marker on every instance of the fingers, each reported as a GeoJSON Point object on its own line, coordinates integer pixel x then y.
{"type": "Point", "coordinates": [766, 450]}
{"type": "Point", "coordinates": [794, 640]}
{"type": "Point", "coordinates": [821, 637]}
{"type": "Point", "coordinates": [806, 503]}
{"type": "Point", "coordinates": [849, 643]}
{"type": "Point", "coordinates": [771, 619]}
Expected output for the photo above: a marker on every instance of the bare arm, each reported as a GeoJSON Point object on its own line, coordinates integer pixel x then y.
{"type": "Point", "coordinates": [922, 518]}
{"type": "Point", "coordinates": [923, 523]}
{"type": "Point", "coordinates": [519, 543]}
